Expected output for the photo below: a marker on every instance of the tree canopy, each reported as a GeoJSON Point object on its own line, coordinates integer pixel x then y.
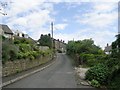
{"type": "Point", "coordinates": [45, 40]}
{"type": "Point", "coordinates": [85, 46]}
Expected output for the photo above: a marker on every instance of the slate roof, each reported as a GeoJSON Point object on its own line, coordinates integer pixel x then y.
{"type": "Point", "coordinates": [6, 29]}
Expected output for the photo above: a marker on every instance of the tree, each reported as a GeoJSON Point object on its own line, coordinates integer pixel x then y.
{"type": "Point", "coordinates": [45, 40]}
{"type": "Point", "coordinates": [85, 51]}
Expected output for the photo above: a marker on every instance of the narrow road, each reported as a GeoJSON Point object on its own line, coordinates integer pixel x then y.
{"type": "Point", "coordinates": [59, 75]}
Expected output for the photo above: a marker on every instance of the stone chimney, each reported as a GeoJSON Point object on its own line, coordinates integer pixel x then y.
{"type": "Point", "coordinates": [107, 44]}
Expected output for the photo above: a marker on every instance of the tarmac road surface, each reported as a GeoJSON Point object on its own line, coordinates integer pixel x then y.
{"type": "Point", "coordinates": [59, 75]}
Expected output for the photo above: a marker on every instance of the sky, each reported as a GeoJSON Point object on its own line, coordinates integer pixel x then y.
{"type": "Point", "coordinates": [73, 20]}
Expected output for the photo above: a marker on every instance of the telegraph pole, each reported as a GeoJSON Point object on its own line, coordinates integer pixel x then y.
{"type": "Point", "coordinates": [52, 37]}
{"type": "Point", "coordinates": [52, 32]}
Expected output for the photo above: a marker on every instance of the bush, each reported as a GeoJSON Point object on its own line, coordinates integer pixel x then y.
{"type": "Point", "coordinates": [112, 62]}
{"type": "Point", "coordinates": [16, 41]}
{"type": "Point", "coordinates": [20, 55]}
{"type": "Point", "coordinates": [95, 83]}
{"type": "Point", "coordinates": [9, 51]}
{"type": "Point", "coordinates": [31, 57]}
{"type": "Point", "coordinates": [88, 59]}
{"type": "Point", "coordinates": [115, 83]}
{"type": "Point", "coordinates": [99, 72]}
{"type": "Point", "coordinates": [25, 47]}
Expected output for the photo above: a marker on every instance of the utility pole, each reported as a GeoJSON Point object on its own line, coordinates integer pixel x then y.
{"type": "Point", "coordinates": [52, 33]}
{"type": "Point", "coordinates": [52, 37]}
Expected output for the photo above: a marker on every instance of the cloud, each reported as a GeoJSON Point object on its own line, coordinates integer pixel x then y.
{"type": "Point", "coordinates": [37, 33]}
{"type": "Point", "coordinates": [100, 38]}
{"type": "Point", "coordinates": [101, 16]}
{"type": "Point", "coordinates": [104, 6]}
{"type": "Point", "coordinates": [34, 17]}
{"type": "Point", "coordinates": [65, 20]}
{"type": "Point", "coordinates": [61, 26]}
{"type": "Point", "coordinates": [99, 22]}
{"type": "Point", "coordinates": [57, 1]}
{"type": "Point", "coordinates": [29, 17]}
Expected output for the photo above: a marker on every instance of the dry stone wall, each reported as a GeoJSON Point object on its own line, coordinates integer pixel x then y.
{"type": "Point", "coordinates": [12, 67]}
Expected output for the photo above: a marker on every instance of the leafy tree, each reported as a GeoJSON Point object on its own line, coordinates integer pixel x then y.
{"type": "Point", "coordinates": [45, 40]}
{"type": "Point", "coordinates": [84, 50]}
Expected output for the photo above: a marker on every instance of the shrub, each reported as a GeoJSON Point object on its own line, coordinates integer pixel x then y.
{"type": "Point", "coordinates": [99, 72]}
{"type": "Point", "coordinates": [31, 57]}
{"type": "Point", "coordinates": [95, 83]}
{"type": "Point", "coordinates": [115, 83]}
{"type": "Point", "coordinates": [112, 62]}
{"type": "Point", "coordinates": [25, 47]}
{"type": "Point", "coordinates": [35, 54]}
{"type": "Point", "coordinates": [20, 55]}
{"type": "Point", "coordinates": [16, 41]}
{"type": "Point", "coordinates": [88, 59]}
{"type": "Point", "coordinates": [9, 51]}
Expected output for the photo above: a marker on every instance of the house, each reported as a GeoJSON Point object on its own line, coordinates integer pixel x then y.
{"type": "Point", "coordinates": [59, 45]}
{"type": "Point", "coordinates": [6, 31]}
{"type": "Point", "coordinates": [20, 34]}
{"type": "Point", "coordinates": [108, 49]}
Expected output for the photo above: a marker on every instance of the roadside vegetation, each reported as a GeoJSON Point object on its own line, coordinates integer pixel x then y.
{"type": "Point", "coordinates": [104, 69]}
{"type": "Point", "coordinates": [85, 52]}
{"type": "Point", "coordinates": [45, 40]}
{"type": "Point", "coordinates": [19, 49]}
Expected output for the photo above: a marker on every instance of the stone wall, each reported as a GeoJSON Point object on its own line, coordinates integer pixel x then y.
{"type": "Point", "coordinates": [12, 67]}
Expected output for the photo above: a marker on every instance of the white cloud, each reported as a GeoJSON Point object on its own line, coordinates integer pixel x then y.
{"type": "Point", "coordinates": [60, 26]}
{"type": "Point", "coordinates": [30, 16]}
{"type": "Point", "coordinates": [100, 20]}
{"type": "Point", "coordinates": [21, 21]}
{"type": "Point", "coordinates": [100, 38]}
{"type": "Point", "coordinates": [57, 1]}
{"type": "Point", "coordinates": [65, 20]}
{"type": "Point", "coordinates": [104, 6]}
{"type": "Point", "coordinates": [102, 15]}
{"type": "Point", "coordinates": [37, 14]}
{"type": "Point", "coordinates": [37, 32]}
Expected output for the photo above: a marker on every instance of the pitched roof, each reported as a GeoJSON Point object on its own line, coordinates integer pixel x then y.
{"type": "Point", "coordinates": [6, 29]}
{"type": "Point", "coordinates": [108, 48]}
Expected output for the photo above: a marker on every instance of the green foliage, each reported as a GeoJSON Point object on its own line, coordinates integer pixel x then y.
{"type": "Point", "coordinates": [109, 71]}
{"type": "Point", "coordinates": [45, 40]}
{"type": "Point", "coordinates": [29, 55]}
{"type": "Point", "coordinates": [85, 46]}
{"type": "Point", "coordinates": [111, 62]}
{"type": "Point", "coordinates": [9, 51]}
{"type": "Point", "coordinates": [114, 65]}
{"type": "Point", "coordinates": [95, 83]}
{"type": "Point", "coordinates": [17, 42]}
{"type": "Point", "coordinates": [2, 38]}
{"type": "Point", "coordinates": [22, 40]}
{"type": "Point", "coordinates": [99, 72]}
{"type": "Point", "coordinates": [88, 59]}
{"type": "Point", "coordinates": [114, 83]}
{"type": "Point", "coordinates": [88, 52]}
{"type": "Point", "coordinates": [25, 47]}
